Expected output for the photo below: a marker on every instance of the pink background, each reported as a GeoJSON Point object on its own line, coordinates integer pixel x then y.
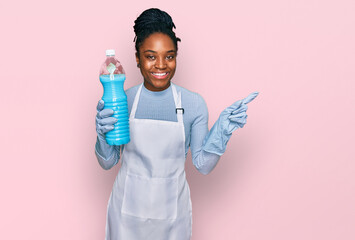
{"type": "Point", "coordinates": [289, 174]}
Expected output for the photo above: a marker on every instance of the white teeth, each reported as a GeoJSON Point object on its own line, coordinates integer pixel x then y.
{"type": "Point", "coordinates": [159, 74]}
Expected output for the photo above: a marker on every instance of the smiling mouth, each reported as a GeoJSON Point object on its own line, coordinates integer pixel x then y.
{"type": "Point", "coordinates": [160, 75]}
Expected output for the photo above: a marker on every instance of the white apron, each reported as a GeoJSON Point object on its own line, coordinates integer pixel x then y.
{"type": "Point", "coordinates": [150, 198]}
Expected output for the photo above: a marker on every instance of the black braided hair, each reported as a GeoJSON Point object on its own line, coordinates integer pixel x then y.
{"type": "Point", "coordinates": [151, 21]}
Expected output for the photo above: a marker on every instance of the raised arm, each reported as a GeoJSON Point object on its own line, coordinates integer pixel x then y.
{"type": "Point", "coordinates": [230, 119]}
{"type": "Point", "coordinates": [208, 146]}
{"type": "Point", "coordinates": [203, 161]}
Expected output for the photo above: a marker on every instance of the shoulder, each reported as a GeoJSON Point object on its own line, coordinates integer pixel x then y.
{"type": "Point", "coordinates": [195, 107]}
{"type": "Point", "coordinates": [131, 93]}
{"type": "Point", "coordinates": [132, 90]}
{"type": "Point", "coordinates": [191, 98]}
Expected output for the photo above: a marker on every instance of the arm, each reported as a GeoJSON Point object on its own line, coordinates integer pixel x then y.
{"type": "Point", "coordinates": [203, 161]}
{"type": "Point", "coordinates": [230, 119]}
{"type": "Point", "coordinates": [208, 146]}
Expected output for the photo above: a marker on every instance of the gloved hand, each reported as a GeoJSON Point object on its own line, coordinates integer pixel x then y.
{"type": "Point", "coordinates": [104, 123]}
{"type": "Point", "coordinates": [229, 120]}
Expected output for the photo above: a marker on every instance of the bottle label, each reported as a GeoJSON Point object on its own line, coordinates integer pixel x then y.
{"type": "Point", "coordinates": [111, 69]}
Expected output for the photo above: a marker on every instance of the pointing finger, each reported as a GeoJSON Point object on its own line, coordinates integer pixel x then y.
{"type": "Point", "coordinates": [250, 98]}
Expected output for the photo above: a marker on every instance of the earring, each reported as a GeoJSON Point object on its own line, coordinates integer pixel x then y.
{"type": "Point", "coordinates": [138, 65]}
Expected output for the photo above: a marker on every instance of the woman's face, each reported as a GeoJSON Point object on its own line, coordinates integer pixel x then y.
{"type": "Point", "coordinates": [157, 60]}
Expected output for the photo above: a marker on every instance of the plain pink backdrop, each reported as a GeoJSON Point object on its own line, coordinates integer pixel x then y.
{"type": "Point", "coordinates": [288, 174]}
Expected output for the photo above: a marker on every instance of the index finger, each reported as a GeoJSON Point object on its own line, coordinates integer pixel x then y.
{"type": "Point", "coordinates": [100, 105]}
{"type": "Point", "coordinates": [250, 97]}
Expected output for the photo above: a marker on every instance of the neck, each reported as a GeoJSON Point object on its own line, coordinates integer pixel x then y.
{"type": "Point", "coordinates": [153, 88]}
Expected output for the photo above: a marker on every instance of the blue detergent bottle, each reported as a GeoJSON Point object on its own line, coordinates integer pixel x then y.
{"type": "Point", "coordinates": [112, 77]}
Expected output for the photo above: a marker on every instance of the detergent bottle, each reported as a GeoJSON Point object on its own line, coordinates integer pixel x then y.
{"type": "Point", "coordinates": [112, 77]}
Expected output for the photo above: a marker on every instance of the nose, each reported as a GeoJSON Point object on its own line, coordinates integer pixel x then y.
{"type": "Point", "coordinates": [160, 63]}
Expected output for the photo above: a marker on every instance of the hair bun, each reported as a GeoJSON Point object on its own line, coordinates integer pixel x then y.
{"type": "Point", "coordinates": [152, 18]}
{"type": "Point", "coordinates": [151, 21]}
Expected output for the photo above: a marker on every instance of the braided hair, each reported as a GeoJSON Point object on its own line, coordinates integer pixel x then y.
{"type": "Point", "coordinates": [151, 21]}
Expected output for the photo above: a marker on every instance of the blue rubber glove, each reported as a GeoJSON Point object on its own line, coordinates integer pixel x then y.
{"type": "Point", "coordinates": [104, 123]}
{"type": "Point", "coordinates": [229, 120]}
{"type": "Point", "coordinates": [106, 154]}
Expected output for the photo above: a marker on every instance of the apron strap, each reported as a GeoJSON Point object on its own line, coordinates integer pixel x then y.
{"type": "Point", "coordinates": [177, 99]}
{"type": "Point", "coordinates": [135, 102]}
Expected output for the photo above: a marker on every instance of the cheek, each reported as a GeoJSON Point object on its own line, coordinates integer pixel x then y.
{"type": "Point", "coordinates": [172, 65]}
{"type": "Point", "coordinates": [146, 66]}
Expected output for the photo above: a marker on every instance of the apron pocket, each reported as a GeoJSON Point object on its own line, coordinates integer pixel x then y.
{"type": "Point", "coordinates": [154, 198]}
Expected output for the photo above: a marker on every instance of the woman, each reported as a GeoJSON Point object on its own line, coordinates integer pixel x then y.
{"type": "Point", "coordinates": [150, 198]}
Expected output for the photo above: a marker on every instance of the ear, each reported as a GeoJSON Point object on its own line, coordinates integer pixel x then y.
{"type": "Point", "coordinates": [137, 57]}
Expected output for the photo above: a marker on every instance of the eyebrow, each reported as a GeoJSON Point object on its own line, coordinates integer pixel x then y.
{"type": "Point", "coordinates": [156, 52]}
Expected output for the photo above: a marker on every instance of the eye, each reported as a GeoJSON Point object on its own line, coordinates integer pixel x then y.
{"type": "Point", "coordinates": [150, 57]}
{"type": "Point", "coordinates": [170, 57]}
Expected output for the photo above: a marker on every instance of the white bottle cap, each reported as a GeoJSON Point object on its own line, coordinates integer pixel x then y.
{"type": "Point", "coordinates": [110, 52]}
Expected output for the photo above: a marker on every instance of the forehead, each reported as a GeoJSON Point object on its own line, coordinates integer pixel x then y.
{"type": "Point", "coordinates": [158, 42]}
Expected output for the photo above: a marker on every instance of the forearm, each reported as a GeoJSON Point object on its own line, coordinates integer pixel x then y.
{"type": "Point", "coordinates": [107, 155]}
{"type": "Point", "coordinates": [205, 162]}
{"type": "Point", "coordinates": [216, 140]}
